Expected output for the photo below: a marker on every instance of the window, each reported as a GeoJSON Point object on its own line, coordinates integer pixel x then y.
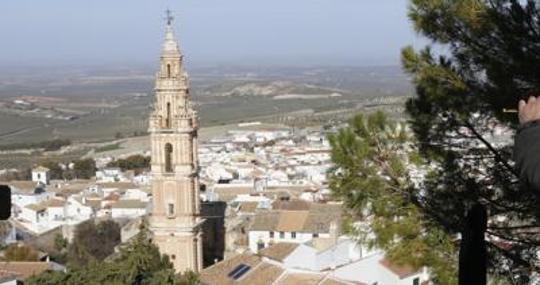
{"type": "Point", "coordinates": [260, 245]}
{"type": "Point", "coordinates": [239, 271]}
{"type": "Point", "coordinates": [170, 210]}
{"type": "Point", "coordinates": [271, 234]}
{"type": "Point", "coordinates": [168, 71]}
{"type": "Point", "coordinates": [281, 235]}
{"type": "Point", "coordinates": [416, 281]}
{"type": "Point", "coordinates": [168, 158]}
{"type": "Point", "coordinates": [293, 235]}
{"type": "Point", "coordinates": [168, 119]}
{"type": "Point", "coordinates": [315, 235]}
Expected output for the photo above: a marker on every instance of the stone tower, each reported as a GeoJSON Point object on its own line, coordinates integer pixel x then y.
{"type": "Point", "coordinates": [175, 221]}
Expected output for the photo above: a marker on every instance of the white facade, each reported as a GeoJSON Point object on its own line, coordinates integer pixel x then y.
{"type": "Point", "coordinates": [41, 175]}
{"type": "Point", "coordinates": [309, 258]}
{"type": "Point", "coordinates": [77, 210]}
{"type": "Point", "coordinates": [56, 213]}
{"type": "Point", "coordinates": [33, 216]}
{"type": "Point", "coordinates": [22, 200]}
{"type": "Point", "coordinates": [258, 238]}
{"type": "Point", "coordinates": [10, 282]}
{"type": "Point", "coordinates": [110, 174]}
{"type": "Point", "coordinates": [128, 212]}
{"type": "Point", "coordinates": [136, 194]}
{"type": "Point", "coordinates": [369, 270]}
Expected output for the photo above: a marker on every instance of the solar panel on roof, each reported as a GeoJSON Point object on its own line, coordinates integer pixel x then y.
{"type": "Point", "coordinates": [236, 269]}
{"type": "Point", "coordinates": [241, 272]}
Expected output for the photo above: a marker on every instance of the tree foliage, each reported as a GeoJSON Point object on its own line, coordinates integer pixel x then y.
{"type": "Point", "coordinates": [137, 263]}
{"type": "Point", "coordinates": [93, 242]}
{"type": "Point", "coordinates": [134, 162]}
{"type": "Point", "coordinates": [490, 61]}
{"type": "Point", "coordinates": [84, 168]}
{"type": "Point", "coordinates": [374, 174]}
{"type": "Point", "coordinates": [17, 252]}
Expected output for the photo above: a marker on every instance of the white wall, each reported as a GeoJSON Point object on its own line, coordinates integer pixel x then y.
{"type": "Point", "coordinates": [11, 282]}
{"type": "Point", "coordinates": [303, 257]}
{"type": "Point", "coordinates": [76, 210]}
{"type": "Point", "coordinates": [22, 200]}
{"type": "Point", "coordinates": [367, 270]}
{"type": "Point", "coordinates": [40, 176]}
{"type": "Point", "coordinates": [56, 213]}
{"type": "Point", "coordinates": [127, 213]}
{"type": "Point", "coordinates": [136, 194]}
{"type": "Point", "coordinates": [255, 236]}
{"type": "Point", "coordinates": [31, 215]}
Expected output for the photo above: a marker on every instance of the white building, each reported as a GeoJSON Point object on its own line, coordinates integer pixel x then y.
{"type": "Point", "coordinates": [129, 209]}
{"type": "Point", "coordinates": [38, 196]}
{"type": "Point", "coordinates": [377, 269]}
{"type": "Point", "coordinates": [110, 174]}
{"type": "Point", "coordinates": [78, 208]}
{"type": "Point", "coordinates": [136, 194]}
{"type": "Point", "coordinates": [40, 174]}
{"type": "Point", "coordinates": [294, 226]}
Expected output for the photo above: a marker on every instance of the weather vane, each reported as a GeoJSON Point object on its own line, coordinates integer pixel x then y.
{"type": "Point", "coordinates": [169, 16]}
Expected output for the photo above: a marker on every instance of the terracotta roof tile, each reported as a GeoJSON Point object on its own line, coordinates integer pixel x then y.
{"type": "Point", "coordinates": [129, 204]}
{"type": "Point", "coordinates": [6, 276]}
{"type": "Point", "coordinates": [292, 221]}
{"type": "Point", "coordinates": [304, 279]}
{"type": "Point", "coordinates": [217, 274]}
{"type": "Point", "coordinates": [331, 281]}
{"type": "Point", "coordinates": [25, 269]}
{"type": "Point", "coordinates": [248, 207]}
{"type": "Point", "coordinates": [266, 221]}
{"type": "Point", "coordinates": [295, 205]}
{"type": "Point", "coordinates": [278, 251]}
{"type": "Point", "coordinates": [264, 274]}
{"type": "Point", "coordinates": [41, 169]}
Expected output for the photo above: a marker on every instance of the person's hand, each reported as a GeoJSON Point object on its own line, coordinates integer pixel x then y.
{"type": "Point", "coordinates": [529, 111]}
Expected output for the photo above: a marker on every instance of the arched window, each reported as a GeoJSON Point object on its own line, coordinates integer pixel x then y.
{"type": "Point", "coordinates": [168, 120]}
{"type": "Point", "coordinates": [168, 158]}
{"type": "Point", "coordinates": [168, 71]}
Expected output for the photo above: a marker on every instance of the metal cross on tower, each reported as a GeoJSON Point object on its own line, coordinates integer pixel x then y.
{"type": "Point", "coordinates": [169, 16]}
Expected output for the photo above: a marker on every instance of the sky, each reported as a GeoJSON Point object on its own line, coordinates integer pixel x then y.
{"type": "Point", "coordinates": [282, 32]}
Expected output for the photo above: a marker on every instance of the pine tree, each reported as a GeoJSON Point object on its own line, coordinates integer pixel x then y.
{"type": "Point", "coordinates": [138, 263]}
{"type": "Point", "coordinates": [373, 160]}
{"type": "Point", "coordinates": [490, 61]}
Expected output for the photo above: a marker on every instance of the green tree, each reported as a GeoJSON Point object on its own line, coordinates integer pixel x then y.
{"type": "Point", "coordinates": [17, 252]}
{"type": "Point", "coordinates": [138, 263]}
{"type": "Point", "coordinates": [490, 61]}
{"type": "Point", "coordinates": [55, 171]}
{"type": "Point", "coordinates": [374, 163]}
{"type": "Point", "coordinates": [84, 168]}
{"type": "Point", "coordinates": [93, 242]}
{"type": "Point", "coordinates": [60, 243]}
{"type": "Point", "coordinates": [134, 162]}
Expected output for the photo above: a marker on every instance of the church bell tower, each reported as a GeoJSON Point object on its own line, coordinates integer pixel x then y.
{"type": "Point", "coordinates": [175, 221]}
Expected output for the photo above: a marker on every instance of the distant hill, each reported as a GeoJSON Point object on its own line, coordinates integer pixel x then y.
{"type": "Point", "coordinates": [280, 89]}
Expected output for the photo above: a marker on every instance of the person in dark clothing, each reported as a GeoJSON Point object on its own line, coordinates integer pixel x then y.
{"type": "Point", "coordinates": [527, 144]}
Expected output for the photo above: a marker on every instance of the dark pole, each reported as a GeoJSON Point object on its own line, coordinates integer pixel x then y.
{"type": "Point", "coordinates": [472, 252]}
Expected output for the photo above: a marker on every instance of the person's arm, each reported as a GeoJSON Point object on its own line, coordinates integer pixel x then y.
{"type": "Point", "coordinates": [527, 144]}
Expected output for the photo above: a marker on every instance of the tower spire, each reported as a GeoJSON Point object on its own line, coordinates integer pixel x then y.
{"type": "Point", "coordinates": [169, 17]}
{"type": "Point", "coordinates": [170, 45]}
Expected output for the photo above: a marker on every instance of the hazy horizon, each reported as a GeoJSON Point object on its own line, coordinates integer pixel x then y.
{"type": "Point", "coordinates": [238, 32]}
